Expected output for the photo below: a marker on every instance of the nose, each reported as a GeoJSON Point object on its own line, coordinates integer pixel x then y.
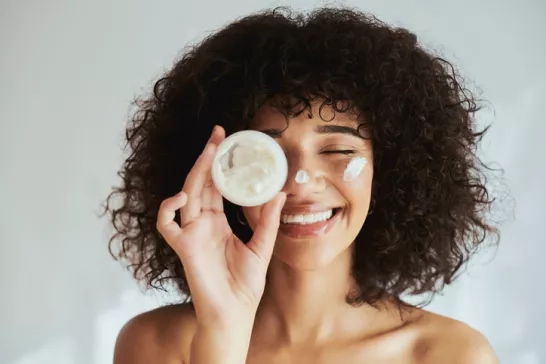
{"type": "Point", "coordinates": [305, 177]}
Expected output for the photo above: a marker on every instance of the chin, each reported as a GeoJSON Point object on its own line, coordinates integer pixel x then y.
{"type": "Point", "coordinates": [309, 253]}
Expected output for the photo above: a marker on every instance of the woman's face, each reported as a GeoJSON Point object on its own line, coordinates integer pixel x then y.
{"type": "Point", "coordinates": [328, 187]}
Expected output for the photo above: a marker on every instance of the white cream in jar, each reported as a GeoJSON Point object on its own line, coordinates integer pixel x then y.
{"type": "Point", "coordinates": [250, 168]}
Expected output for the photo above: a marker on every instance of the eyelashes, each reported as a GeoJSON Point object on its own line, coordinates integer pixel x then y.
{"type": "Point", "coordinates": [344, 152]}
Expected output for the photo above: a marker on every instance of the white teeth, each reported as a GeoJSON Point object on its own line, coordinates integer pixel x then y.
{"type": "Point", "coordinates": [306, 218]}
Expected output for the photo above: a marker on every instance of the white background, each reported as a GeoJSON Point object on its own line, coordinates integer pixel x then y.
{"type": "Point", "coordinates": [69, 70]}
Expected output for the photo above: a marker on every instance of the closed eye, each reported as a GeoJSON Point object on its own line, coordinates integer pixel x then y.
{"type": "Point", "coordinates": [345, 152]}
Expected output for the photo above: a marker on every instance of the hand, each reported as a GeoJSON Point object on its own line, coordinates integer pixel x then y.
{"type": "Point", "coordinates": [226, 277]}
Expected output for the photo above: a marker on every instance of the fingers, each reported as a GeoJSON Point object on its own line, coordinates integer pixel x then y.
{"type": "Point", "coordinates": [211, 197]}
{"type": "Point", "coordinates": [265, 234]}
{"type": "Point", "coordinates": [218, 135]}
{"type": "Point", "coordinates": [197, 179]}
{"type": "Point", "coordinates": [217, 203]}
{"type": "Point", "coordinates": [166, 225]}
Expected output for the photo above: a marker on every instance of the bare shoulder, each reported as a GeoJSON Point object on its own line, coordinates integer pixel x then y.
{"type": "Point", "coordinates": [162, 335]}
{"type": "Point", "coordinates": [450, 341]}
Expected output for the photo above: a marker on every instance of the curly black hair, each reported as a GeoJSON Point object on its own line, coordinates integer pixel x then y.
{"type": "Point", "coordinates": [430, 200]}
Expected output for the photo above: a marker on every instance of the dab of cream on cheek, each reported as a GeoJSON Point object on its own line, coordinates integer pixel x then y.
{"type": "Point", "coordinates": [354, 168]}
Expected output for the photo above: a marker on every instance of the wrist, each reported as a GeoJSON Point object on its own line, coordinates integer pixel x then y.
{"type": "Point", "coordinates": [239, 317]}
{"type": "Point", "coordinates": [232, 325]}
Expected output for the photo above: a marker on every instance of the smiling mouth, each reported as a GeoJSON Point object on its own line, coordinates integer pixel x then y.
{"type": "Point", "coordinates": [309, 225]}
{"type": "Point", "coordinates": [310, 218]}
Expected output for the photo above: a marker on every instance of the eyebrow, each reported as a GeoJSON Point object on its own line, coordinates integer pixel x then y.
{"type": "Point", "coordinates": [320, 129]}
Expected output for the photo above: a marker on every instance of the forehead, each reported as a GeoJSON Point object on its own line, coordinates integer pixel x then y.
{"type": "Point", "coordinates": [272, 116]}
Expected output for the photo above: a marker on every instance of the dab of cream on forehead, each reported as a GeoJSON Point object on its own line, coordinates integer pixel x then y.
{"type": "Point", "coordinates": [302, 177]}
{"type": "Point", "coordinates": [354, 168]}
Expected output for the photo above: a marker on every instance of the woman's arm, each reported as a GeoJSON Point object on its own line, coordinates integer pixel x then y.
{"type": "Point", "coordinates": [213, 345]}
{"type": "Point", "coordinates": [171, 334]}
{"type": "Point", "coordinates": [461, 344]}
{"type": "Point", "coordinates": [160, 336]}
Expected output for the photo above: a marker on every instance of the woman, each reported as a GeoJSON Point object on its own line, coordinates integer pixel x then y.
{"type": "Point", "coordinates": [329, 86]}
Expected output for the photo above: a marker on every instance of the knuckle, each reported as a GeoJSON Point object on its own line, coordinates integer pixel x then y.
{"type": "Point", "coordinates": [163, 204]}
{"type": "Point", "coordinates": [158, 226]}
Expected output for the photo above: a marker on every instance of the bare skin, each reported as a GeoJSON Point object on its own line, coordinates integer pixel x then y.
{"type": "Point", "coordinates": [299, 313]}
{"type": "Point", "coordinates": [164, 335]}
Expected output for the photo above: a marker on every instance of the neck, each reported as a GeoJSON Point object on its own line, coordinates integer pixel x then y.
{"type": "Point", "coordinates": [309, 305]}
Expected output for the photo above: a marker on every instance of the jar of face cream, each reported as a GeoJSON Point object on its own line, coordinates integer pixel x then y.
{"type": "Point", "coordinates": [249, 168]}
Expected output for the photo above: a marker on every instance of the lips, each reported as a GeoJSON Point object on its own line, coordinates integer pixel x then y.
{"type": "Point", "coordinates": [310, 218]}
{"type": "Point", "coordinates": [307, 229]}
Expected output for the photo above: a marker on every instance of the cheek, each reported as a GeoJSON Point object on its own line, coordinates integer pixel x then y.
{"type": "Point", "coordinates": [354, 169]}
{"type": "Point", "coordinates": [353, 178]}
{"type": "Point", "coordinates": [352, 172]}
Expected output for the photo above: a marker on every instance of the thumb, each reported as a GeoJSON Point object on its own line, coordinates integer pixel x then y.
{"type": "Point", "coordinates": [265, 234]}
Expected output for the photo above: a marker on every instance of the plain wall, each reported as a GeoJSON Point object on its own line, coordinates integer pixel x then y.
{"type": "Point", "coordinates": [69, 70]}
